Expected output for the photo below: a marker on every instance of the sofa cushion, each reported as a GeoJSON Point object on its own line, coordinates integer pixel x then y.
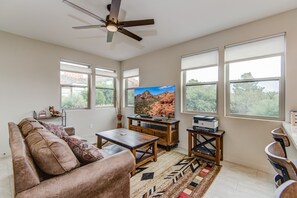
{"type": "Point", "coordinates": [84, 151]}
{"type": "Point", "coordinates": [23, 121]}
{"type": "Point", "coordinates": [28, 125]}
{"type": "Point", "coordinates": [51, 154]}
{"type": "Point", "coordinates": [58, 130]}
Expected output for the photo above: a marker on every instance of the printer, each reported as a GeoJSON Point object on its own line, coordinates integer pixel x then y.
{"type": "Point", "coordinates": [205, 123]}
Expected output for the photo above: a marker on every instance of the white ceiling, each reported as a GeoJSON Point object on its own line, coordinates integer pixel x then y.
{"type": "Point", "coordinates": [176, 21]}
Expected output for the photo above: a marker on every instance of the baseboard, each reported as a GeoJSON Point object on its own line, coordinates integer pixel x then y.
{"type": "Point", "coordinates": [5, 156]}
{"type": "Point", "coordinates": [181, 150]}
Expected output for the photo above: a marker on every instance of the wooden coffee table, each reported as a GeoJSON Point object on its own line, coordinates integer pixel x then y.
{"type": "Point", "coordinates": [134, 141]}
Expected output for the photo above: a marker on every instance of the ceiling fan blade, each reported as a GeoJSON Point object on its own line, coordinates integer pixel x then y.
{"type": "Point", "coordinates": [137, 23]}
{"type": "Point", "coordinates": [109, 36]}
{"type": "Point", "coordinates": [114, 10]}
{"type": "Point", "coordinates": [84, 11]}
{"type": "Point", "coordinates": [130, 34]}
{"type": "Point", "coordinates": [88, 27]}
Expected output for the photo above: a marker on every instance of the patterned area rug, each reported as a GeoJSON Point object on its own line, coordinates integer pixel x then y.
{"type": "Point", "coordinates": [173, 175]}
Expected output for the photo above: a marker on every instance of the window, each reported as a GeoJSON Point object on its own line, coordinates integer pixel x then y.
{"type": "Point", "coordinates": [199, 82]}
{"type": "Point", "coordinates": [105, 87]}
{"type": "Point", "coordinates": [131, 80]}
{"type": "Point", "coordinates": [74, 81]}
{"type": "Point", "coordinates": [255, 78]}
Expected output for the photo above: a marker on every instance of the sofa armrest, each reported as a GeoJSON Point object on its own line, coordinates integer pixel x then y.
{"type": "Point", "coordinates": [70, 130]}
{"type": "Point", "coordinates": [109, 177]}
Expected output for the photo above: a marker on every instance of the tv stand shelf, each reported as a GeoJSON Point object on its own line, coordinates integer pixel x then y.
{"type": "Point", "coordinates": [166, 130]}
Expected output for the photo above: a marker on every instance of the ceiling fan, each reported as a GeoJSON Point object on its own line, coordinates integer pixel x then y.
{"type": "Point", "coordinates": [111, 22]}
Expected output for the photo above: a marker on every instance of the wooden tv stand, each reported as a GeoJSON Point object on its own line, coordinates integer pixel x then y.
{"type": "Point", "coordinates": [166, 130]}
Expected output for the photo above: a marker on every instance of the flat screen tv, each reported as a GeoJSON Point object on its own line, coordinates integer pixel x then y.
{"type": "Point", "coordinates": [156, 101]}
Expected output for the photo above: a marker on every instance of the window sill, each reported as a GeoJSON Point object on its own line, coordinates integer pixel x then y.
{"type": "Point", "coordinates": [253, 119]}
{"type": "Point", "coordinates": [107, 107]}
{"type": "Point", "coordinates": [200, 113]}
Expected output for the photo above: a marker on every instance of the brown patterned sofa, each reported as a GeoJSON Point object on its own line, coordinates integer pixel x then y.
{"type": "Point", "coordinates": [108, 177]}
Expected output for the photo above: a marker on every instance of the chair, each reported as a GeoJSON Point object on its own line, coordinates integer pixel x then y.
{"type": "Point", "coordinates": [285, 168]}
{"type": "Point", "coordinates": [287, 190]}
{"type": "Point", "coordinates": [280, 136]}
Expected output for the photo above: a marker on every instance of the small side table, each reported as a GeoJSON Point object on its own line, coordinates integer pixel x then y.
{"type": "Point", "coordinates": [204, 146]}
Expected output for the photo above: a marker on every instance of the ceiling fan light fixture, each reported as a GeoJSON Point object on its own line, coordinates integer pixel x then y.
{"type": "Point", "coordinates": [112, 27]}
{"type": "Point", "coordinates": [111, 22]}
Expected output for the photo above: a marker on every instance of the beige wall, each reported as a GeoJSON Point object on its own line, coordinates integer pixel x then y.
{"type": "Point", "coordinates": [245, 140]}
{"type": "Point", "coordinates": [29, 80]}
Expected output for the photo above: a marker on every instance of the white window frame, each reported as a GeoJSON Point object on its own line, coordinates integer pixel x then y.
{"type": "Point", "coordinates": [281, 80]}
{"type": "Point", "coordinates": [102, 72]}
{"type": "Point", "coordinates": [127, 74]}
{"type": "Point", "coordinates": [200, 64]}
{"type": "Point", "coordinates": [74, 67]}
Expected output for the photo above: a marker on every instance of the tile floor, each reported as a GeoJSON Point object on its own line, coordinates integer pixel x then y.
{"type": "Point", "coordinates": [233, 181]}
{"type": "Point", "coordinates": [6, 178]}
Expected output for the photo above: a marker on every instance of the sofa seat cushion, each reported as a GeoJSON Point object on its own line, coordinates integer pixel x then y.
{"type": "Point", "coordinates": [50, 153]}
{"type": "Point", "coordinates": [84, 151]}
{"type": "Point", "coordinates": [58, 130]}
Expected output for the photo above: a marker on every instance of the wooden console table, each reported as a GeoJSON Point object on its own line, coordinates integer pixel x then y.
{"type": "Point", "coordinates": [204, 147]}
{"type": "Point", "coordinates": [166, 130]}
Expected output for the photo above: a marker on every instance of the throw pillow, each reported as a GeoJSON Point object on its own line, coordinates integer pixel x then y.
{"type": "Point", "coordinates": [79, 138]}
{"type": "Point", "coordinates": [28, 125]}
{"type": "Point", "coordinates": [84, 151]}
{"type": "Point", "coordinates": [58, 130]}
{"type": "Point", "coordinates": [50, 153]}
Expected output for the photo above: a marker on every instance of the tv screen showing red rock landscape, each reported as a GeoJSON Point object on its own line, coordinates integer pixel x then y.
{"type": "Point", "coordinates": [155, 101]}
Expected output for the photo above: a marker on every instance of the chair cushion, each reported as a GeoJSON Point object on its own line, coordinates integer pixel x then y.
{"type": "Point", "coordinates": [58, 130]}
{"type": "Point", "coordinates": [287, 189]}
{"type": "Point", "coordinates": [51, 154]}
{"type": "Point", "coordinates": [84, 151]}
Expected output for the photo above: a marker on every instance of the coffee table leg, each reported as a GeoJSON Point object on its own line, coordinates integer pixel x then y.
{"type": "Point", "coordinates": [99, 142]}
{"type": "Point", "coordinates": [155, 151]}
{"type": "Point", "coordinates": [134, 154]}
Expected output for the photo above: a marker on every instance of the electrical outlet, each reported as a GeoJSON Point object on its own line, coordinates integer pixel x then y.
{"type": "Point", "coordinates": [91, 126]}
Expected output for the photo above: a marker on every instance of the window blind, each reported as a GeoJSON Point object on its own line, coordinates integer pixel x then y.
{"type": "Point", "coordinates": [257, 48]}
{"type": "Point", "coordinates": [199, 60]}
{"type": "Point", "coordinates": [73, 67]}
{"type": "Point", "coordinates": [106, 72]}
{"type": "Point", "coordinates": [131, 72]}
